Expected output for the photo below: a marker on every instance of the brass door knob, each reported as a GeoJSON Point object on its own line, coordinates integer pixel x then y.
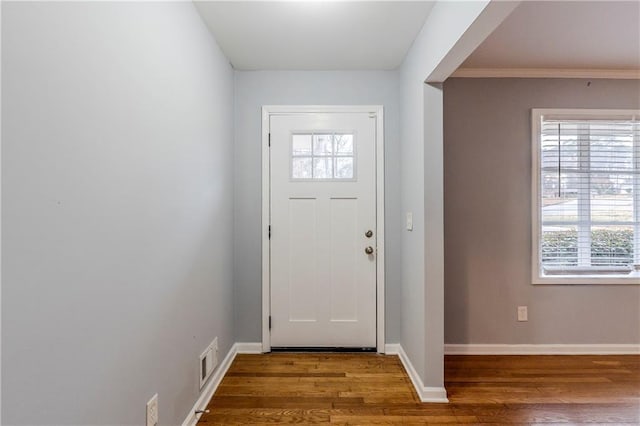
{"type": "Point", "coordinates": [369, 250]}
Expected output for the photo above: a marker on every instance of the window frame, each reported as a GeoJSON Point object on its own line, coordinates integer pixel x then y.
{"type": "Point", "coordinates": [537, 275]}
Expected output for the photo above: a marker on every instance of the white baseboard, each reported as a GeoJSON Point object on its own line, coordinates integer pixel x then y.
{"type": "Point", "coordinates": [426, 393]}
{"type": "Point", "coordinates": [248, 348]}
{"type": "Point", "coordinates": [503, 349]}
{"type": "Point", "coordinates": [210, 388]}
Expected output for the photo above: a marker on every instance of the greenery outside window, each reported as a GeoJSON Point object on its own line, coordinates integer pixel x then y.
{"type": "Point", "coordinates": [586, 196]}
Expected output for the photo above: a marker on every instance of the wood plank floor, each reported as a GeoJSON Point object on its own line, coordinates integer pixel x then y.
{"type": "Point", "coordinates": [370, 389]}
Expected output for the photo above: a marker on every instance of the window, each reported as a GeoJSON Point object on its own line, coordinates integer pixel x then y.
{"type": "Point", "coordinates": [586, 196]}
{"type": "Point", "coordinates": [322, 156]}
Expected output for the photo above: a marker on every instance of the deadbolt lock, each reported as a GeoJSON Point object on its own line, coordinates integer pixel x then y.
{"type": "Point", "coordinates": [368, 234]}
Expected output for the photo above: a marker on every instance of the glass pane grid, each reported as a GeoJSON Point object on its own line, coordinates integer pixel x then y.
{"type": "Point", "coordinates": [322, 156]}
{"type": "Point", "coordinates": [588, 200]}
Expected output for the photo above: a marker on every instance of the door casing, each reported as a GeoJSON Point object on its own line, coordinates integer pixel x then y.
{"type": "Point", "coordinates": [376, 111]}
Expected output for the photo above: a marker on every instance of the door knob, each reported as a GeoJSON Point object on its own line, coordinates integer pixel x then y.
{"type": "Point", "coordinates": [368, 234]}
{"type": "Point", "coordinates": [369, 250]}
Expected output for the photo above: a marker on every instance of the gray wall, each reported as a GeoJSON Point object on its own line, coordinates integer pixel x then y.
{"type": "Point", "coordinates": [488, 218]}
{"type": "Point", "coordinates": [117, 210]}
{"type": "Point", "coordinates": [252, 91]}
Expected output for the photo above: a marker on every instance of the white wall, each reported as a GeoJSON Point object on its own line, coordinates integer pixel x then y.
{"type": "Point", "coordinates": [421, 276]}
{"type": "Point", "coordinates": [254, 89]}
{"type": "Point", "coordinates": [450, 34]}
{"type": "Point", "coordinates": [116, 207]}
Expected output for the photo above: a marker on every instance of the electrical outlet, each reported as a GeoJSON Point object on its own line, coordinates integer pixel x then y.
{"type": "Point", "coordinates": [152, 411]}
{"type": "Point", "coordinates": [522, 313]}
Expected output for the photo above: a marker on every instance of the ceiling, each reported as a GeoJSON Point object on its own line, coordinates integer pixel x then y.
{"type": "Point", "coordinates": [314, 35]}
{"type": "Point", "coordinates": [564, 34]}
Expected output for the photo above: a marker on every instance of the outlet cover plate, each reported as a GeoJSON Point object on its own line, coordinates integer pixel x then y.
{"type": "Point", "coordinates": [523, 315]}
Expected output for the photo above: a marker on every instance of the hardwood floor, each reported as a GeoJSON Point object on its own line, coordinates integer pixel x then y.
{"type": "Point", "coordinates": [369, 389]}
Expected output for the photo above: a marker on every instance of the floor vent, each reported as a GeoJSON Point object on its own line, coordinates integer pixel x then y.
{"type": "Point", "coordinates": [208, 361]}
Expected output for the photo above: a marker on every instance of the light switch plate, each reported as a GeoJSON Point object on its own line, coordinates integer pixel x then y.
{"type": "Point", "coordinates": [409, 221]}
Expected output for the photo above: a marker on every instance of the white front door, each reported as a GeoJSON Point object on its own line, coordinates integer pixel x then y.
{"type": "Point", "coordinates": [323, 230]}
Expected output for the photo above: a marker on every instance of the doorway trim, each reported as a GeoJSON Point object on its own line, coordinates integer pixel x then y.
{"type": "Point", "coordinates": [269, 110]}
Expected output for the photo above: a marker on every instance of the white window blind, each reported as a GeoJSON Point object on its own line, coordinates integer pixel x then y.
{"type": "Point", "coordinates": [588, 194]}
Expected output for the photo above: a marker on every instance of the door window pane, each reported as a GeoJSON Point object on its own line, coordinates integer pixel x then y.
{"type": "Point", "coordinates": [322, 168]}
{"type": "Point", "coordinates": [344, 168]}
{"type": "Point", "coordinates": [301, 168]}
{"type": "Point", "coordinates": [323, 156]}
{"type": "Point", "coordinates": [322, 144]}
{"type": "Point", "coordinates": [344, 144]}
{"type": "Point", "coordinates": [301, 145]}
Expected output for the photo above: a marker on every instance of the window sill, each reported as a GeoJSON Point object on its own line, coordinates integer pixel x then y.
{"type": "Point", "coordinates": [632, 278]}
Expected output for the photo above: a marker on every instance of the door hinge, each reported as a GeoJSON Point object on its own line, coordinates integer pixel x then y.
{"type": "Point", "coordinates": [269, 231]}
{"type": "Point", "coordinates": [269, 139]}
{"type": "Point", "coordinates": [269, 322]}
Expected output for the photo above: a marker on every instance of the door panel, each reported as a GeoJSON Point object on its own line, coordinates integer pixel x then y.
{"type": "Point", "coordinates": [343, 261]}
{"type": "Point", "coordinates": [303, 252]}
{"type": "Point", "coordinates": [323, 186]}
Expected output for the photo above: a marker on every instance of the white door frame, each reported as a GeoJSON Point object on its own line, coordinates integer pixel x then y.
{"type": "Point", "coordinates": [376, 111]}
